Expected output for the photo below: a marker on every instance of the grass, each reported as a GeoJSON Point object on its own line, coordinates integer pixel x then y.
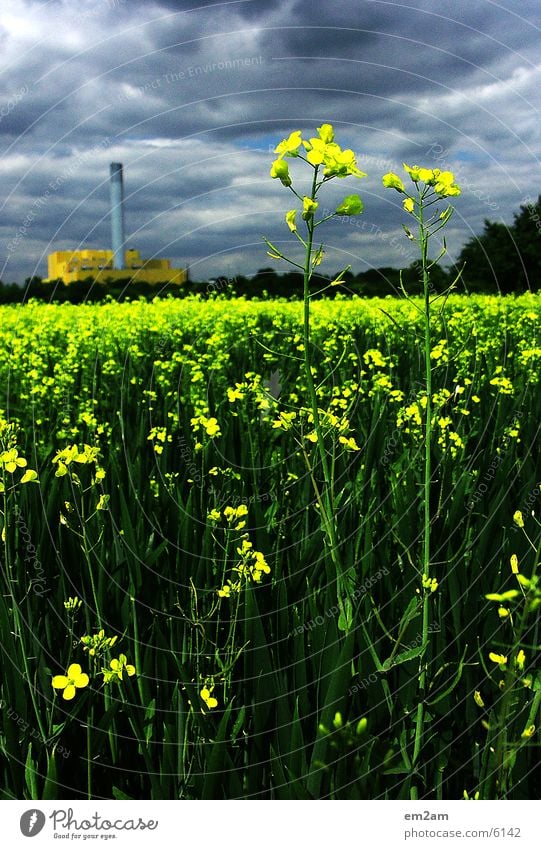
{"type": "Point", "coordinates": [187, 408]}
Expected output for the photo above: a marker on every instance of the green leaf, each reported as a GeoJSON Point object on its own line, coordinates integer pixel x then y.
{"type": "Point", "coordinates": [402, 657]}
{"type": "Point", "coordinates": [239, 722]}
{"type": "Point", "coordinates": [351, 205]}
{"type": "Point", "coordinates": [30, 774]}
{"type": "Point", "coordinates": [454, 682]}
{"type": "Point", "coordinates": [50, 791]}
{"type": "Point", "coordinates": [334, 700]}
{"type": "Point", "coordinates": [119, 794]}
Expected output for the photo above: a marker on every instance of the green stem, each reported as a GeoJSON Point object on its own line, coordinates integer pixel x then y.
{"type": "Point", "coordinates": [87, 556]}
{"type": "Point", "coordinates": [498, 775]}
{"type": "Point", "coordinates": [423, 661]}
{"type": "Point", "coordinates": [89, 728]}
{"type": "Point", "coordinates": [328, 517]}
{"type": "Point", "coordinates": [18, 625]}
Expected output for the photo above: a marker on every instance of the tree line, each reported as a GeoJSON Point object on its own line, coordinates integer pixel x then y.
{"type": "Point", "coordinates": [504, 258]}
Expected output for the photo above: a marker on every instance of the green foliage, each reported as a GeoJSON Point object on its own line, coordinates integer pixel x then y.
{"type": "Point", "coordinates": [286, 671]}
{"type": "Point", "coordinates": [505, 258]}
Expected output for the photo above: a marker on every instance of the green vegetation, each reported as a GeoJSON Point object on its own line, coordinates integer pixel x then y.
{"type": "Point", "coordinates": [168, 549]}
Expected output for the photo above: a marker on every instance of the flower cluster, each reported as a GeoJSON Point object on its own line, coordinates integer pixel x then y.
{"type": "Point", "coordinates": [231, 515]}
{"type": "Point", "coordinates": [430, 584]}
{"type": "Point", "coordinates": [251, 566]}
{"type": "Point", "coordinates": [10, 461]}
{"type": "Point", "coordinates": [206, 695]}
{"type": "Point", "coordinates": [321, 150]}
{"type": "Point", "coordinates": [96, 644]}
{"type": "Point", "coordinates": [82, 456]}
{"type": "Point", "coordinates": [210, 425]}
{"type": "Point", "coordinates": [73, 604]}
{"type": "Point", "coordinates": [117, 667]}
{"type": "Point", "coordinates": [443, 182]}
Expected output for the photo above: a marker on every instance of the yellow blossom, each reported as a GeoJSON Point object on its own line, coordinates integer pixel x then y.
{"type": "Point", "coordinates": [408, 204]}
{"type": "Point", "coordinates": [290, 219]}
{"type": "Point", "coordinates": [74, 679]}
{"type": "Point", "coordinates": [478, 699]}
{"type": "Point", "coordinates": [208, 698]}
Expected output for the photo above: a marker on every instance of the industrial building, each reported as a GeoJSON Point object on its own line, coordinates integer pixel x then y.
{"type": "Point", "coordinates": [118, 265]}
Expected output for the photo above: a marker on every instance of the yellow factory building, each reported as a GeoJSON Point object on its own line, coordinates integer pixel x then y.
{"type": "Point", "coordinates": [72, 266]}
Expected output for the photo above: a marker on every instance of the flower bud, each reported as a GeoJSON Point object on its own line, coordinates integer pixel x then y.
{"type": "Point", "coordinates": [280, 169]}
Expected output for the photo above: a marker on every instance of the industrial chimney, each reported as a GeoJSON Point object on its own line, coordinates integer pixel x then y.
{"type": "Point", "coordinates": [117, 214]}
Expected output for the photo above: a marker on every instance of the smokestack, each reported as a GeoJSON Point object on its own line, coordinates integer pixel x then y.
{"type": "Point", "coordinates": [117, 214]}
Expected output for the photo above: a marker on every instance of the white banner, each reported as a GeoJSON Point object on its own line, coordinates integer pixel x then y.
{"type": "Point", "coordinates": [268, 825]}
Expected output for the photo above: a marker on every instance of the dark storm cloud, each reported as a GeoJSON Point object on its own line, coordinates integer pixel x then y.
{"type": "Point", "coordinates": [192, 98]}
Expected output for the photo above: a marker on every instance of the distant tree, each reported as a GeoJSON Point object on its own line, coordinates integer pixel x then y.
{"type": "Point", "coordinates": [527, 231]}
{"type": "Point", "coordinates": [505, 259]}
{"type": "Point", "coordinates": [10, 293]}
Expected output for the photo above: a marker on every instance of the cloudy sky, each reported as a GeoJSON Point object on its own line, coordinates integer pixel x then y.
{"type": "Point", "coordinates": [192, 97]}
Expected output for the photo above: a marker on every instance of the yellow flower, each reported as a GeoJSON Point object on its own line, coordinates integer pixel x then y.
{"type": "Point", "coordinates": [508, 595]}
{"type": "Point", "coordinates": [290, 219]}
{"type": "Point", "coordinates": [349, 443]}
{"type": "Point", "coordinates": [514, 564]}
{"type": "Point", "coordinates": [393, 181]}
{"type": "Point", "coordinates": [208, 698]}
{"type": "Point", "coordinates": [289, 146]}
{"type": "Point", "coordinates": [430, 583]}
{"type": "Point", "coordinates": [497, 658]}
{"type": "Point", "coordinates": [478, 699]}
{"type": "Point", "coordinates": [520, 660]}
{"type": "Point", "coordinates": [309, 206]}
{"type": "Point", "coordinates": [408, 204]}
{"type": "Point", "coordinates": [30, 476]}
{"type": "Point", "coordinates": [11, 460]}
{"type": "Point", "coordinates": [517, 518]}
{"type": "Point", "coordinates": [326, 133]}
{"type": "Point", "coordinates": [341, 163]}
{"type": "Point", "coordinates": [212, 427]}
{"type": "Point", "coordinates": [528, 732]}
{"type": "Point", "coordinates": [74, 679]}
{"type": "Point", "coordinates": [280, 169]}
{"type": "Point", "coordinates": [444, 184]}
{"type": "Point", "coordinates": [103, 503]}
{"type": "Point", "coordinates": [426, 175]}
{"type": "Point", "coordinates": [119, 666]}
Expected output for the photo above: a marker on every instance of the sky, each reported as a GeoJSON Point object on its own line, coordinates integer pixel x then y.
{"type": "Point", "coordinates": [192, 98]}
